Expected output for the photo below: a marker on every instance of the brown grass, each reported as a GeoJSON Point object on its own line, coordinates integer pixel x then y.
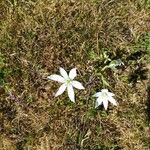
{"type": "Point", "coordinates": [37, 37]}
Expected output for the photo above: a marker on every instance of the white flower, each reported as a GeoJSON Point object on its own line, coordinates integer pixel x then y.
{"type": "Point", "coordinates": [103, 97]}
{"type": "Point", "coordinates": [67, 82]}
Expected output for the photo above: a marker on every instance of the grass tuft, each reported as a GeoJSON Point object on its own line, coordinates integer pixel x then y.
{"type": "Point", "coordinates": [37, 37]}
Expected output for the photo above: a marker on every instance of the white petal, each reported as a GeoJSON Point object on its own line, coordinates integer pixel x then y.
{"type": "Point", "coordinates": [72, 73]}
{"type": "Point", "coordinates": [104, 90]}
{"type": "Point", "coordinates": [56, 77]}
{"type": "Point", "coordinates": [77, 85]}
{"type": "Point", "coordinates": [105, 103]}
{"type": "Point", "coordinates": [61, 90]}
{"type": "Point", "coordinates": [71, 93]}
{"type": "Point", "coordinates": [98, 102]}
{"type": "Point", "coordinates": [113, 101]}
{"type": "Point", "coordinates": [111, 94]}
{"type": "Point", "coordinates": [63, 73]}
{"type": "Point", "coordinates": [97, 94]}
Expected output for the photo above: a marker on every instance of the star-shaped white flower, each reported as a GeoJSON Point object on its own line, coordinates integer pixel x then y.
{"type": "Point", "coordinates": [67, 81]}
{"type": "Point", "coordinates": [103, 97]}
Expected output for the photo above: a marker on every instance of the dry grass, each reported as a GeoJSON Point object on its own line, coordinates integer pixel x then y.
{"type": "Point", "coordinates": [39, 36]}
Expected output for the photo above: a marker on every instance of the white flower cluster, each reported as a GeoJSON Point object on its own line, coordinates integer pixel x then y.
{"type": "Point", "coordinates": [69, 83]}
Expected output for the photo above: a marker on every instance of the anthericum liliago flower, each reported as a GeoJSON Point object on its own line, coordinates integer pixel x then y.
{"type": "Point", "coordinates": [67, 81]}
{"type": "Point", "coordinates": [103, 97]}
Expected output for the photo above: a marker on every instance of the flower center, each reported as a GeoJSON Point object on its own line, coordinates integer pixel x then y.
{"type": "Point", "coordinates": [104, 94]}
{"type": "Point", "coordinates": [68, 81]}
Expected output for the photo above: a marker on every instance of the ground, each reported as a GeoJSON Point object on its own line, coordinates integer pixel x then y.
{"type": "Point", "coordinates": [39, 36]}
